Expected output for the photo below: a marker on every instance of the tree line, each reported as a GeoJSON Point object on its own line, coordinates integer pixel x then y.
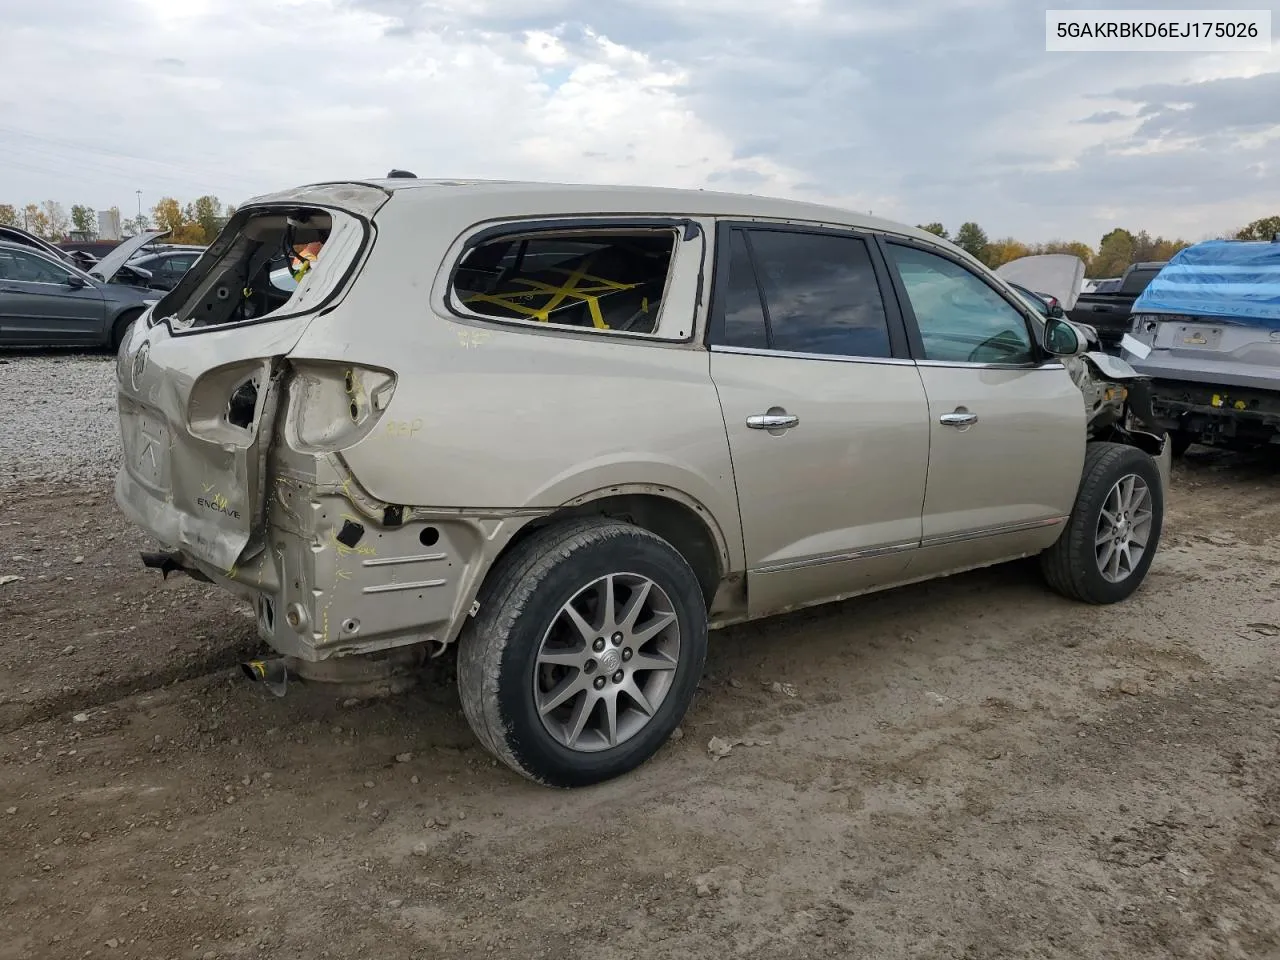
{"type": "Point", "coordinates": [196, 222]}
{"type": "Point", "coordinates": [1117, 249]}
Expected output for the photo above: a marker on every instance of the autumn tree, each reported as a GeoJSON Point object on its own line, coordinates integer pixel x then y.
{"type": "Point", "coordinates": [84, 220]}
{"type": "Point", "coordinates": [1002, 251]}
{"type": "Point", "coordinates": [972, 239]}
{"type": "Point", "coordinates": [936, 229]}
{"type": "Point", "coordinates": [35, 221]}
{"type": "Point", "coordinates": [57, 219]}
{"type": "Point", "coordinates": [1072, 248]}
{"type": "Point", "coordinates": [1264, 229]}
{"type": "Point", "coordinates": [169, 216]}
{"type": "Point", "coordinates": [8, 215]}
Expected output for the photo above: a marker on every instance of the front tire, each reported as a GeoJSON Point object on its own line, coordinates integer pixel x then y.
{"type": "Point", "coordinates": [585, 653]}
{"type": "Point", "coordinates": [1111, 538]}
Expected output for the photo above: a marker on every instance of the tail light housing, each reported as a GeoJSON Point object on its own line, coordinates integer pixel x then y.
{"type": "Point", "coordinates": [334, 405]}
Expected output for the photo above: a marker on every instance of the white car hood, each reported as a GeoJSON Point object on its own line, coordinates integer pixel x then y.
{"type": "Point", "coordinates": [1060, 275]}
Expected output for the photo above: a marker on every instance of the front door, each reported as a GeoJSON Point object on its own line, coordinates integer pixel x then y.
{"type": "Point", "coordinates": [1006, 423]}
{"type": "Point", "coordinates": [825, 414]}
{"type": "Point", "coordinates": [39, 305]}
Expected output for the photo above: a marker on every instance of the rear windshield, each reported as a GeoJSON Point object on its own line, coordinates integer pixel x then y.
{"type": "Point", "coordinates": [1137, 281]}
{"type": "Point", "coordinates": [267, 263]}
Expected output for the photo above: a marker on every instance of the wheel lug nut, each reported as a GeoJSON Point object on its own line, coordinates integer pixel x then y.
{"type": "Point", "coordinates": [589, 666]}
{"type": "Point", "coordinates": [617, 639]}
{"type": "Point", "coordinates": [626, 655]}
{"type": "Point", "coordinates": [617, 677]}
{"type": "Point", "coordinates": [598, 645]}
{"type": "Point", "coordinates": [599, 682]}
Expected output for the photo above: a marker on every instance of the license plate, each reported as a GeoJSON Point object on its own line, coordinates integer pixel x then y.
{"type": "Point", "coordinates": [1200, 338]}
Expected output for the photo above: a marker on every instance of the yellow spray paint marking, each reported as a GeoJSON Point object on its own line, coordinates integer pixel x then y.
{"type": "Point", "coordinates": [219, 501]}
{"type": "Point", "coordinates": [571, 289]}
{"type": "Point", "coordinates": [472, 338]}
{"type": "Point", "coordinates": [342, 575]}
{"type": "Point", "coordinates": [344, 551]}
{"type": "Point", "coordinates": [403, 428]}
{"type": "Point", "coordinates": [206, 486]}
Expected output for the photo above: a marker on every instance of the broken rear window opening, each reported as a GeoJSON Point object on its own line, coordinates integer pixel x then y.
{"type": "Point", "coordinates": [269, 262]}
{"type": "Point", "coordinates": [592, 279]}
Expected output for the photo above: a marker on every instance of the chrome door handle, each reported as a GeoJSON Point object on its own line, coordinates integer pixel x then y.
{"type": "Point", "coordinates": [772, 421]}
{"type": "Point", "coordinates": [958, 419]}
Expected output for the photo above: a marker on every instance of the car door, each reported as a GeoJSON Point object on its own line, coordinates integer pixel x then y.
{"type": "Point", "coordinates": [825, 413]}
{"type": "Point", "coordinates": [1006, 422]}
{"type": "Point", "coordinates": [41, 303]}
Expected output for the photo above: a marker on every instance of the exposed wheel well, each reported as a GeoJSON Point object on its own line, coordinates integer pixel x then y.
{"type": "Point", "coordinates": [121, 323]}
{"type": "Point", "coordinates": [674, 522]}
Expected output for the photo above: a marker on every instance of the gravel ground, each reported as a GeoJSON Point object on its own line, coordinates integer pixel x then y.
{"type": "Point", "coordinates": [970, 769]}
{"type": "Point", "coordinates": [61, 423]}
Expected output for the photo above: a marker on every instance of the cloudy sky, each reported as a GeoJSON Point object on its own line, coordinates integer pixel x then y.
{"type": "Point", "coordinates": [918, 110]}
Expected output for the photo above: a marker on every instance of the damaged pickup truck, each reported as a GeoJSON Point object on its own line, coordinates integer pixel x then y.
{"type": "Point", "coordinates": [565, 430]}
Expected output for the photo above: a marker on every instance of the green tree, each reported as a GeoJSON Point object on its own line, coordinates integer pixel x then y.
{"type": "Point", "coordinates": [1073, 248]}
{"type": "Point", "coordinates": [936, 229]}
{"type": "Point", "coordinates": [84, 220]}
{"type": "Point", "coordinates": [206, 213]}
{"type": "Point", "coordinates": [972, 239]}
{"type": "Point", "coordinates": [1263, 229]}
{"type": "Point", "coordinates": [8, 215]}
{"type": "Point", "coordinates": [1115, 252]}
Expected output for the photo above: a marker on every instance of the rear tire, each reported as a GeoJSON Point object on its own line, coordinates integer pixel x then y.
{"type": "Point", "coordinates": [1120, 502]}
{"type": "Point", "coordinates": [121, 328]}
{"type": "Point", "coordinates": [536, 681]}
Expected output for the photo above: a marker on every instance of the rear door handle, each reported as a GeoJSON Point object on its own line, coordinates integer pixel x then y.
{"type": "Point", "coordinates": [958, 419]}
{"type": "Point", "coordinates": [772, 421]}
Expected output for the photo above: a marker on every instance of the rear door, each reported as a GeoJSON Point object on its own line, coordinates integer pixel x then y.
{"type": "Point", "coordinates": [39, 304]}
{"type": "Point", "coordinates": [1006, 423]}
{"type": "Point", "coordinates": [825, 413]}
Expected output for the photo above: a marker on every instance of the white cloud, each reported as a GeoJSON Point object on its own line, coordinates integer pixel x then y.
{"type": "Point", "coordinates": [938, 109]}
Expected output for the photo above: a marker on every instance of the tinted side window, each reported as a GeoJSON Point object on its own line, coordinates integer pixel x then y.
{"type": "Point", "coordinates": [961, 319]}
{"type": "Point", "coordinates": [821, 293]}
{"type": "Point", "coordinates": [744, 324]}
{"type": "Point", "coordinates": [16, 265]}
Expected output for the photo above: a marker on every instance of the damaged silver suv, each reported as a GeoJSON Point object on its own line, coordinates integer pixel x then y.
{"type": "Point", "coordinates": [568, 429]}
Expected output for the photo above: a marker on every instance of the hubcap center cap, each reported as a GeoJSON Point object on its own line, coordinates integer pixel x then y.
{"type": "Point", "coordinates": [610, 659]}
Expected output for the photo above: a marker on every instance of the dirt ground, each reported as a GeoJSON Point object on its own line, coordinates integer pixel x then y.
{"type": "Point", "coordinates": [972, 768]}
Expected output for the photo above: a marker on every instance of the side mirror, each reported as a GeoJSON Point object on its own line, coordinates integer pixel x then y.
{"type": "Point", "coordinates": [1062, 339]}
{"type": "Point", "coordinates": [75, 282]}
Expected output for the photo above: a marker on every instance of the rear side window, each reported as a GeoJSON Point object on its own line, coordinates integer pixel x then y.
{"type": "Point", "coordinates": [799, 292]}
{"type": "Point", "coordinates": [607, 280]}
{"type": "Point", "coordinates": [1137, 281]}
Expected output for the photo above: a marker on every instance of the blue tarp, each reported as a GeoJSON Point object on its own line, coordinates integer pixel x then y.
{"type": "Point", "coordinates": [1228, 279]}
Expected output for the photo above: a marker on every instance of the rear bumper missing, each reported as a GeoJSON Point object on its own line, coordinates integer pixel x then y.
{"type": "Point", "coordinates": [332, 582]}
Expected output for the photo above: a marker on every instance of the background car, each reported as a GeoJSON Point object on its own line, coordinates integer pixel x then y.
{"type": "Point", "coordinates": [164, 269]}
{"type": "Point", "coordinates": [45, 301]}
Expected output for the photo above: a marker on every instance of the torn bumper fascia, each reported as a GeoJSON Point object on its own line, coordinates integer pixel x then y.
{"type": "Point", "coordinates": [341, 574]}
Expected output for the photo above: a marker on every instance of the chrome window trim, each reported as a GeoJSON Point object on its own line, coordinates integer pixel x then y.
{"type": "Point", "coordinates": [962, 364]}
{"type": "Point", "coordinates": [794, 355]}
{"type": "Point", "coordinates": [887, 361]}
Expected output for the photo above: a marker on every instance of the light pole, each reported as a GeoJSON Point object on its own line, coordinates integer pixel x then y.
{"type": "Point", "coordinates": [139, 220]}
